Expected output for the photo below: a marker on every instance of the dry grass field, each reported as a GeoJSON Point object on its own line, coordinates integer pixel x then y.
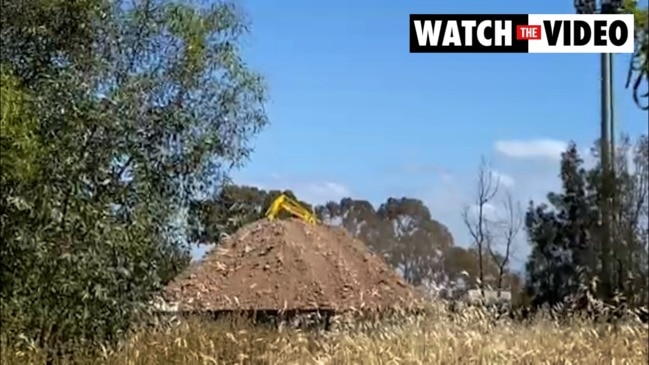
{"type": "Point", "coordinates": [436, 338]}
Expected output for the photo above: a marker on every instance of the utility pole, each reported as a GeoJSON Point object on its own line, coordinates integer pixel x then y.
{"type": "Point", "coordinates": [606, 159]}
{"type": "Point", "coordinates": [607, 136]}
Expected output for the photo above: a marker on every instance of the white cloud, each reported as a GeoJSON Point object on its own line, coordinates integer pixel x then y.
{"type": "Point", "coordinates": [489, 211]}
{"type": "Point", "coordinates": [532, 148]}
{"type": "Point", "coordinates": [447, 200]}
{"type": "Point", "coordinates": [503, 179]}
{"type": "Point", "coordinates": [321, 192]}
{"type": "Point", "coordinates": [447, 177]}
{"type": "Point", "coordinates": [313, 192]}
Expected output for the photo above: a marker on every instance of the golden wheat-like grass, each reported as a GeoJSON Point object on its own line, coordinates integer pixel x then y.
{"type": "Point", "coordinates": [438, 337]}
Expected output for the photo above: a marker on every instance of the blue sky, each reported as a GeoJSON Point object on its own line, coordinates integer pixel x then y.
{"type": "Point", "coordinates": [354, 113]}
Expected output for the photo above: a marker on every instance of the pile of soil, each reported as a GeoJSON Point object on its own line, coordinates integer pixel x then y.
{"type": "Point", "coordinates": [290, 265]}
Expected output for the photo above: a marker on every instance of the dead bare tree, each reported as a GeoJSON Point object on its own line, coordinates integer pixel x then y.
{"type": "Point", "coordinates": [501, 233]}
{"type": "Point", "coordinates": [486, 190]}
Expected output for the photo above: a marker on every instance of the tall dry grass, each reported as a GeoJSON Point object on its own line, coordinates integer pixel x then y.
{"type": "Point", "coordinates": [439, 337]}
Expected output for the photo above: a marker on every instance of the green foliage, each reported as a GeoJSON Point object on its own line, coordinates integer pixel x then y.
{"type": "Point", "coordinates": [639, 64]}
{"type": "Point", "coordinates": [19, 147]}
{"type": "Point", "coordinates": [405, 234]}
{"type": "Point", "coordinates": [417, 241]}
{"type": "Point", "coordinates": [231, 208]}
{"type": "Point", "coordinates": [566, 237]}
{"type": "Point", "coordinates": [114, 116]}
{"type": "Point", "coordinates": [559, 235]}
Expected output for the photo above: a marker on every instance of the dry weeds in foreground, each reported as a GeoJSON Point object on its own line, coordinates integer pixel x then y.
{"type": "Point", "coordinates": [440, 338]}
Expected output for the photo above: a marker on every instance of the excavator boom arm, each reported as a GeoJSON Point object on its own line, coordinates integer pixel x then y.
{"type": "Point", "coordinates": [291, 206]}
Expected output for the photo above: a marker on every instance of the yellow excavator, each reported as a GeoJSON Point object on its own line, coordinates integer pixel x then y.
{"type": "Point", "coordinates": [283, 202]}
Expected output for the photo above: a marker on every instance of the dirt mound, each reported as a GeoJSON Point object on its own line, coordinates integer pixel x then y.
{"type": "Point", "coordinates": [290, 265]}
